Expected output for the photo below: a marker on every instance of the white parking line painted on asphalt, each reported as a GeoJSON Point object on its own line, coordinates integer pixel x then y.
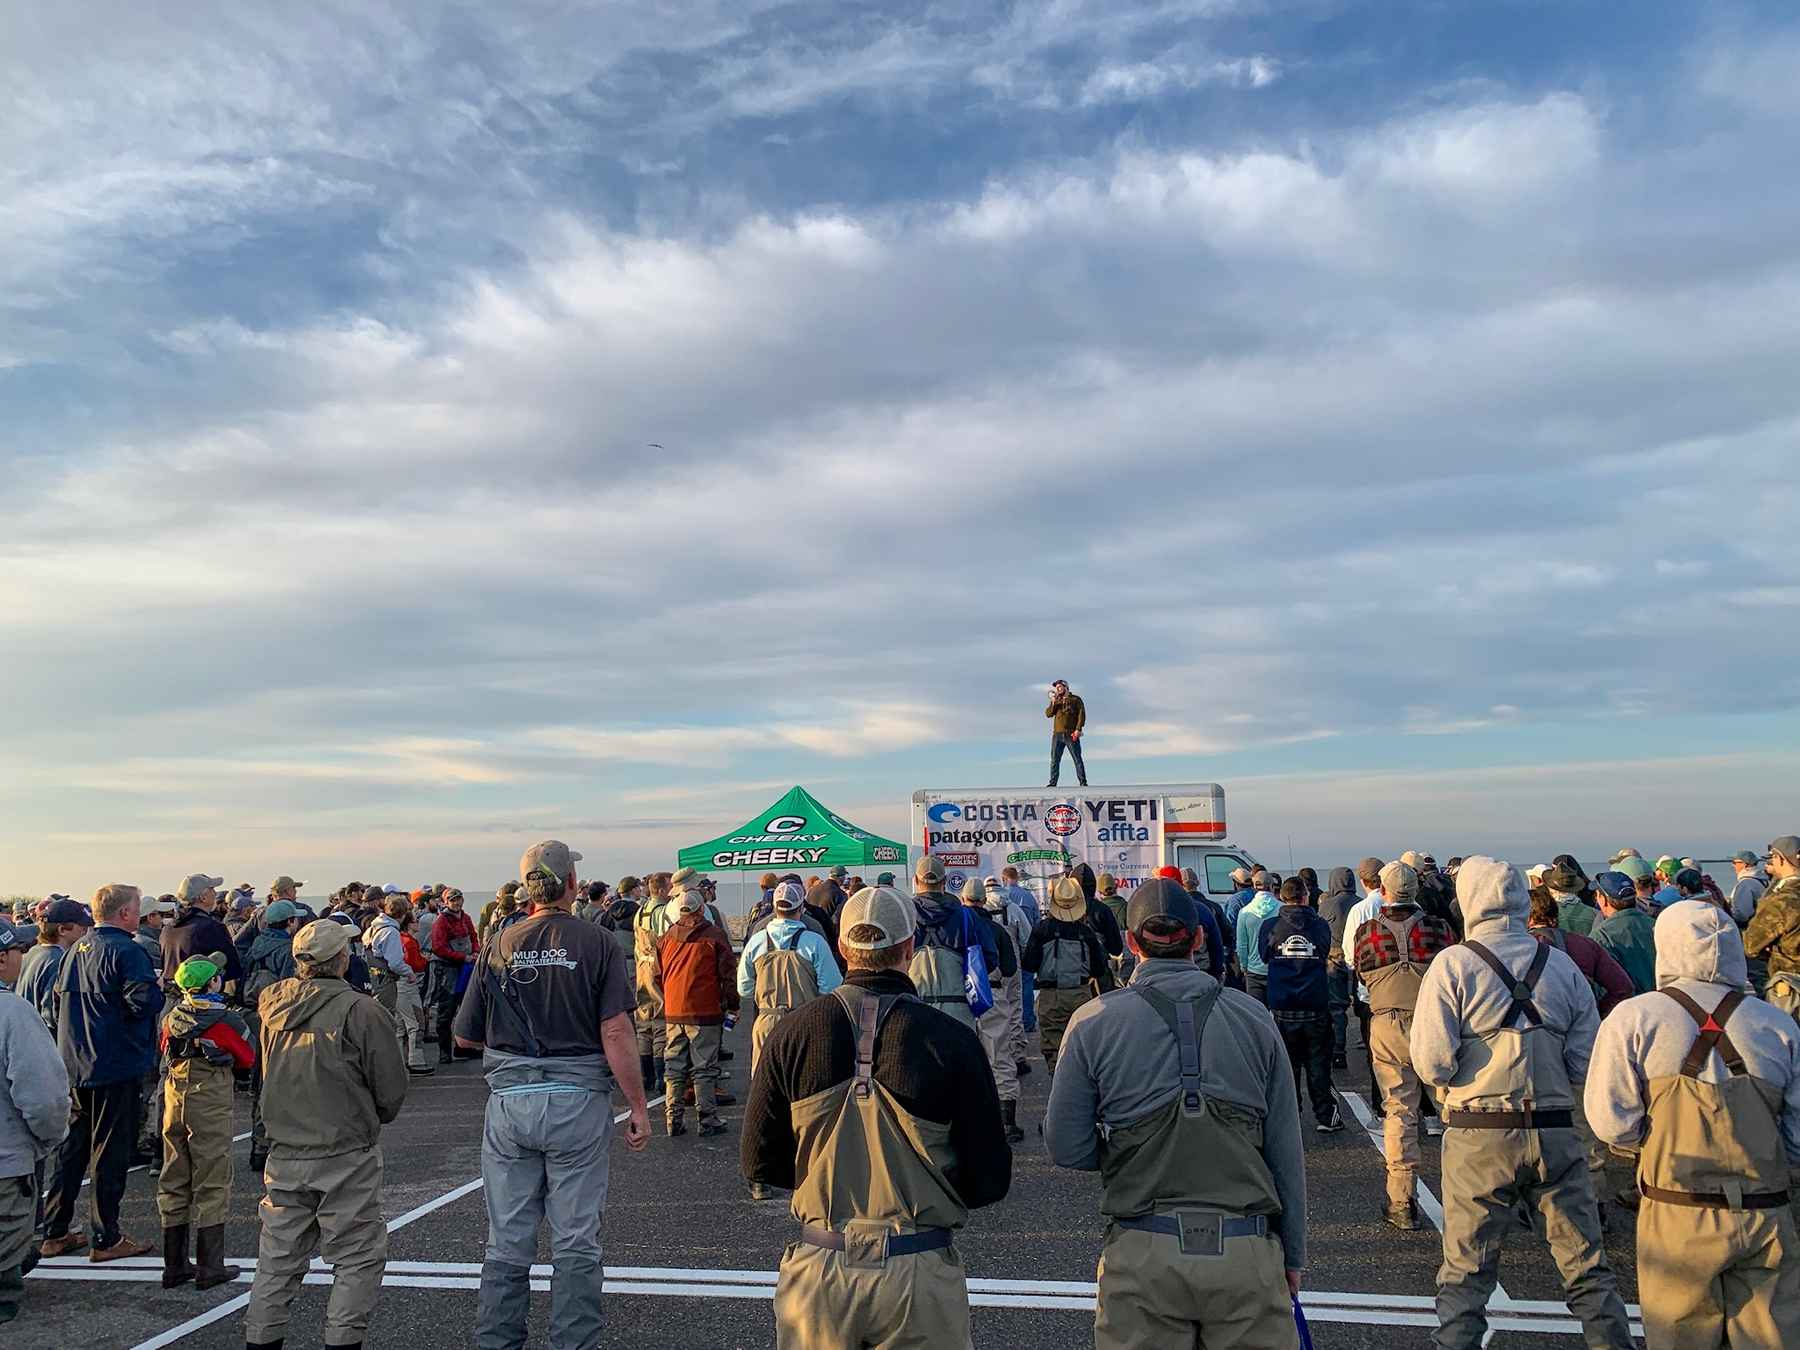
{"type": "Point", "coordinates": [226, 1309]}
{"type": "Point", "coordinates": [1362, 1309]}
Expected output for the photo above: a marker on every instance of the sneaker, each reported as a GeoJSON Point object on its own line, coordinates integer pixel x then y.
{"type": "Point", "coordinates": [66, 1245]}
{"type": "Point", "coordinates": [1333, 1123]}
{"type": "Point", "coordinates": [121, 1250]}
{"type": "Point", "coordinates": [420, 1073]}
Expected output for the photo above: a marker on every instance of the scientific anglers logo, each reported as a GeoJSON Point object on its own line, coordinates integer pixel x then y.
{"type": "Point", "coordinates": [1063, 818]}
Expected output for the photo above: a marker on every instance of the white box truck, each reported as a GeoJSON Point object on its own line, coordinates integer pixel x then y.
{"type": "Point", "coordinates": [1129, 831]}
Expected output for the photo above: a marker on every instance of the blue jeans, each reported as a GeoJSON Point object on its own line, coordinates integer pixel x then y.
{"type": "Point", "coordinates": [1028, 992]}
{"type": "Point", "coordinates": [1060, 741]}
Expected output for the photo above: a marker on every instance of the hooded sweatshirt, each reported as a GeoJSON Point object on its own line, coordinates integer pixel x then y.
{"type": "Point", "coordinates": [1335, 905]}
{"type": "Point", "coordinates": [333, 1073]}
{"type": "Point", "coordinates": [1250, 922]}
{"type": "Point", "coordinates": [1458, 1043]}
{"type": "Point", "coordinates": [943, 923]}
{"type": "Point", "coordinates": [34, 1089]}
{"type": "Point", "coordinates": [1699, 952]}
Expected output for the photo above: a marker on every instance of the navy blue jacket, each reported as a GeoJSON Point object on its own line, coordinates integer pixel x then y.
{"type": "Point", "coordinates": [109, 1001]}
{"type": "Point", "coordinates": [1295, 942]}
{"type": "Point", "coordinates": [194, 932]}
{"type": "Point", "coordinates": [1215, 936]}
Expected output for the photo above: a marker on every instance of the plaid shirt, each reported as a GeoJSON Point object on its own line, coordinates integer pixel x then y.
{"type": "Point", "coordinates": [1376, 947]}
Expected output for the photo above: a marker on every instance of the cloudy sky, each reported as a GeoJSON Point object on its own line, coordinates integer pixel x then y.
{"type": "Point", "coordinates": [426, 428]}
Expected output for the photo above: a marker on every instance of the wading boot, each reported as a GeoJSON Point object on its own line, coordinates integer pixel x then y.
{"type": "Point", "coordinates": [176, 1270]}
{"type": "Point", "coordinates": [210, 1270]}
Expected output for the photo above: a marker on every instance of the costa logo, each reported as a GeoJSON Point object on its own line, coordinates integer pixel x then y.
{"type": "Point", "coordinates": [944, 811]}
{"type": "Point", "coordinates": [1062, 819]}
{"type": "Point", "coordinates": [785, 825]}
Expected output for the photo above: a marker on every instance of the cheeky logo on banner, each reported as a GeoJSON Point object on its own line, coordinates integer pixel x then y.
{"type": "Point", "coordinates": [1042, 838]}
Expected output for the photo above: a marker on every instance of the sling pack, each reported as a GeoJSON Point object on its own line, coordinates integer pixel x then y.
{"type": "Point", "coordinates": [1524, 1010]}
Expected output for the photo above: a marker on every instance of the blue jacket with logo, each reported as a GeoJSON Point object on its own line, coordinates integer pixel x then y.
{"type": "Point", "coordinates": [109, 1000]}
{"type": "Point", "coordinates": [1295, 944]}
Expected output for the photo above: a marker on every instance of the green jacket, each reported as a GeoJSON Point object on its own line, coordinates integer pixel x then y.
{"type": "Point", "coordinates": [1774, 930]}
{"type": "Point", "coordinates": [1630, 939]}
{"type": "Point", "coordinates": [1068, 713]}
{"type": "Point", "coordinates": [333, 1073]}
{"type": "Point", "coordinates": [1576, 916]}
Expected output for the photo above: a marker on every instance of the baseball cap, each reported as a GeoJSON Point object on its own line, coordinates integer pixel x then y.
{"type": "Point", "coordinates": [1788, 846]}
{"type": "Point", "coordinates": [929, 868]}
{"type": "Point", "coordinates": [1160, 898]}
{"type": "Point", "coordinates": [1166, 873]}
{"type": "Point", "coordinates": [195, 973]}
{"type": "Point", "coordinates": [838, 873]}
{"type": "Point", "coordinates": [242, 900]}
{"type": "Point", "coordinates": [885, 879]}
{"type": "Point", "coordinates": [13, 939]}
{"type": "Point", "coordinates": [552, 858]}
{"type": "Point", "coordinates": [280, 912]}
{"type": "Point", "coordinates": [192, 888]}
{"type": "Point", "coordinates": [1621, 855]}
{"type": "Point", "coordinates": [1400, 882]}
{"type": "Point", "coordinates": [789, 897]}
{"type": "Point", "coordinates": [1746, 857]}
{"type": "Point", "coordinates": [1668, 865]}
{"type": "Point", "coordinates": [881, 908]}
{"type": "Point", "coordinates": [1689, 879]}
{"type": "Point", "coordinates": [1615, 886]}
{"type": "Point", "coordinates": [68, 911]}
{"type": "Point", "coordinates": [1262, 880]}
{"type": "Point", "coordinates": [322, 941]}
{"type": "Point", "coordinates": [1635, 868]}
{"type": "Point", "coordinates": [1106, 883]}
{"type": "Point", "coordinates": [689, 899]}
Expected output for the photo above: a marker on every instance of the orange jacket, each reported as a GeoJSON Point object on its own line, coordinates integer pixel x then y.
{"type": "Point", "coordinates": [697, 972]}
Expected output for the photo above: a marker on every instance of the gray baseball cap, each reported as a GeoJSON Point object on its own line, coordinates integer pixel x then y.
{"type": "Point", "coordinates": [1788, 846]}
{"type": "Point", "coordinates": [192, 888]}
{"type": "Point", "coordinates": [930, 868]}
{"type": "Point", "coordinates": [879, 907]}
{"type": "Point", "coordinates": [552, 856]}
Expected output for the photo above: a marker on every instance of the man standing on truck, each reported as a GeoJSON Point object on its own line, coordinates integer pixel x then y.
{"type": "Point", "coordinates": [1068, 717]}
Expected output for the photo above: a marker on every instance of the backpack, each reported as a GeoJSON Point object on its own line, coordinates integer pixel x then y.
{"type": "Point", "coordinates": [946, 976]}
{"type": "Point", "coordinates": [1064, 964]}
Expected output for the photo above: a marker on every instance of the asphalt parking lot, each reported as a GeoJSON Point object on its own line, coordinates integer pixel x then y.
{"type": "Point", "coordinates": [691, 1259]}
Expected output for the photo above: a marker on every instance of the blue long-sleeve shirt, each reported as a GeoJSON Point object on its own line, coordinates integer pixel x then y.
{"type": "Point", "coordinates": [813, 947]}
{"type": "Point", "coordinates": [1249, 929]}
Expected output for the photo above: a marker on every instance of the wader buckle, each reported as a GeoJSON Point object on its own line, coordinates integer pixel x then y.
{"type": "Point", "coordinates": [1202, 1232]}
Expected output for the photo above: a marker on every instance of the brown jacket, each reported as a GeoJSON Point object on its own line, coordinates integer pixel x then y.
{"type": "Point", "coordinates": [1069, 712]}
{"type": "Point", "coordinates": [697, 972]}
{"type": "Point", "coordinates": [333, 1074]}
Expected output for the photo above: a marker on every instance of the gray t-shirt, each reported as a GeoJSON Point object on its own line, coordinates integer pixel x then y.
{"type": "Point", "coordinates": [563, 978]}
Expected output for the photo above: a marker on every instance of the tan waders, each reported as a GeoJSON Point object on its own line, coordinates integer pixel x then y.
{"type": "Point", "coordinates": [650, 1030]}
{"type": "Point", "coordinates": [785, 980]}
{"type": "Point", "coordinates": [1498, 1163]}
{"type": "Point", "coordinates": [195, 1184]}
{"type": "Point", "coordinates": [1189, 1259]}
{"type": "Point", "coordinates": [1393, 994]}
{"type": "Point", "coordinates": [874, 1265]}
{"type": "Point", "coordinates": [1054, 1009]}
{"type": "Point", "coordinates": [995, 1027]}
{"type": "Point", "coordinates": [1718, 1263]}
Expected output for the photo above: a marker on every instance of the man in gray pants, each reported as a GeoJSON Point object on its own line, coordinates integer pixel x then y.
{"type": "Point", "coordinates": [552, 1002]}
{"type": "Point", "coordinates": [1502, 1030]}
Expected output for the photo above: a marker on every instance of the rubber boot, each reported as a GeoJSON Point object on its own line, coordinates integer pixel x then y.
{"type": "Point", "coordinates": [210, 1270]}
{"type": "Point", "coordinates": [662, 1077]}
{"type": "Point", "coordinates": [647, 1071]}
{"type": "Point", "coordinates": [1009, 1116]}
{"type": "Point", "coordinates": [176, 1270]}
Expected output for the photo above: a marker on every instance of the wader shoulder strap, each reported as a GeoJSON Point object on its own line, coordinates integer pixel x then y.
{"type": "Point", "coordinates": [1712, 1033]}
{"type": "Point", "coordinates": [866, 1015]}
{"type": "Point", "coordinates": [1521, 990]}
{"type": "Point", "coordinates": [1185, 1020]}
{"type": "Point", "coordinates": [791, 944]}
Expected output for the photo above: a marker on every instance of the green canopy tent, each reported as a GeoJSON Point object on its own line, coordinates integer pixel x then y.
{"type": "Point", "coordinates": [798, 831]}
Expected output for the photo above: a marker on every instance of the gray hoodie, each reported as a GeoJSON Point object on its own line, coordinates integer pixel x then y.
{"type": "Point", "coordinates": [1458, 1043]}
{"type": "Point", "coordinates": [1700, 952]}
{"type": "Point", "coordinates": [34, 1089]}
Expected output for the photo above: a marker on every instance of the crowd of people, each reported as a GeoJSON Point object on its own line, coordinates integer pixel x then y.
{"type": "Point", "coordinates": [1537, 1021]}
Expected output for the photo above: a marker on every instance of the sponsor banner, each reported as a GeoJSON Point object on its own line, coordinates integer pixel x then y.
{"type": "Point", "coordinates": [1044, 836]}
